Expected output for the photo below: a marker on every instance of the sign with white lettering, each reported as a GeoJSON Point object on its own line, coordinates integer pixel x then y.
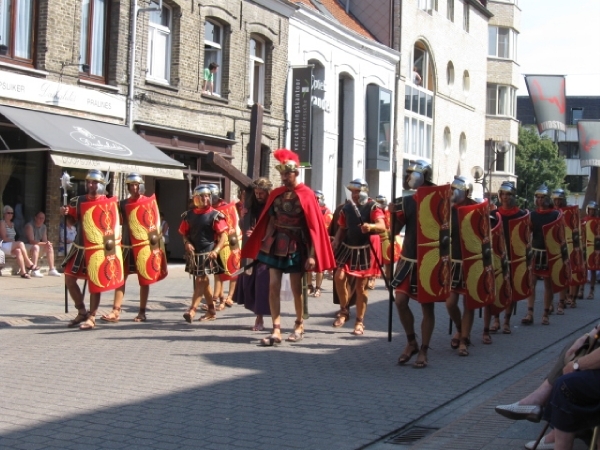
{"type": "Point", "coordinates": [38, 90]}
{"type": "Point", "coordinates": [301, 112]}
{"type": "Point", "coordinates": [318, 95]}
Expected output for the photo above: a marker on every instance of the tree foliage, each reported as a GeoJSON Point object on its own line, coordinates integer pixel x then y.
{"type": "Point", "coordinates": [537, 162]}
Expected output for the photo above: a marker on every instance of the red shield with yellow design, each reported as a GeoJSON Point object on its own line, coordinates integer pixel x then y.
{"type": "Point", "coordinates": [386, 247]}
{"type": "Point", "coordinates": [503, 290]}
{"type": "Point", "coordinates": [230, 254]}
{"type": "Point", "coordinates": [476, 248]}
{"type": "Point", "coordinates": [592, 243]}
{"type": "Point", "coordinates": [573, 239]}
{"type": "Point", "coordinates": [433, 243]}
{"type": "Point", "coordinates": [558, 254]}
{"type": "Point", "coordinates": [101, 230]}
{"type": "Point", "coordinates": [519, 231]}
{"type": "Point", "coordinates": [146, 241]}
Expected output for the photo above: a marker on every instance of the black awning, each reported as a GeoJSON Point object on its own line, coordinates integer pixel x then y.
{"type": "Point", "coordinates": [88, 144]}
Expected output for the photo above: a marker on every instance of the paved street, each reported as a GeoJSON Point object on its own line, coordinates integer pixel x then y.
{"type": "Point", "coordinates": [166, 384]}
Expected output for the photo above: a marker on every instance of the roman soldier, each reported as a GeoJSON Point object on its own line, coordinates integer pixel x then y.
{"type": "Point", "coordinates": [315, 291]}
{"type": "Point", "coordinates": [591, 228]}
{"type": "Point", "coordinates": [426, 214]}
{"type": "Point", "coordinates": [356, 251]}
{"type": "Point", "coordinates": [201, 227]}
{"type": "Point", "coordinates": [96, 253]}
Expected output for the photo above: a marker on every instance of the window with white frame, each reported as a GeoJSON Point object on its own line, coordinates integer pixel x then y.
{"type": "Point", "coordinates": [256, 75]}
{"type": "Point", "coordinates": [466, 18]}
{"type": "Point", "coordinates": [500, 162]}
{"type": "Point", "coordinates": [450, 10]}
{"type": "Point", "coordinates": [418, 122]}
{"type": "Point", "coordinates": [17, 18]}
{"type": "Point", "coordinates": [93, 44]}
{"type": "Point", "coordinates": [159, 44]}
{"type": "Point", "coordinates": [428, 5]}
{"type": "Point", "coordinates": [502, 42]}
{"type": "Point", "coordinates": [213, 51]}
{"type": "Point", "coordinates": [501, 100]}
{"type": "Point", "coordinates": [422, 69]}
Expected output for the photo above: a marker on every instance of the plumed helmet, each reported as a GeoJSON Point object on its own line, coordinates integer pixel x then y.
{"type": "Point", "coordinates": [462, 188]}
{"type": "Point", "coordinates": [508, 188]}
{"type": "Point", "coordinates": [358, 184]}
{"type": "Point", "coordinates": [559, 194]}
{"type": "Point", "coordinates": [381, 200]}
{"type": "Point", "coordinates": [136, 178]}
{"type": "Point", "coordinates": [95, 175]}
{"type": "Point", "coordinates": [288, 160]}
{"type": "Point", "coordinates": [417, 174]}
{"type": "Point", "coordinates": [202, 189]}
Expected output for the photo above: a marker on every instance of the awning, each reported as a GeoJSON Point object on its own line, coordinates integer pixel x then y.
{"type": "Point", "coordinates": [87, 144]}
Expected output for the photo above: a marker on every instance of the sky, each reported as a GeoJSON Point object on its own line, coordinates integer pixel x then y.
{"type": "Point", "coordinates": [561, 37]}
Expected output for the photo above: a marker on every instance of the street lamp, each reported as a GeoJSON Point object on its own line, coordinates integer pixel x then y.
{"type": "Point", "coordinates": [478, 175]}
{"type": "Point", "coordinates": [494, 148]}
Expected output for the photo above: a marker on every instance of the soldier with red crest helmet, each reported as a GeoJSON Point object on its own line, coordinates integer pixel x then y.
{"type": "Point", "coordinates": [128, 210]}
{"type": "Point", "coordinates": [81, 209]}
{"type": "Point", "coordinates": [290, 237]}
{"type": "Point", "coordinates": [201, 227]}
{"type": "Point", "coordinates": [359, 220]}
{"type": "Point", "coordinates": [507, 212]}
{"type": "Point", "coordinates": [591, 212]}
{"type": "Point", "coordinates": [462, 188]}
{"type": "Point", "coordinates": [544, 214]}
{"type": "Point", "coordinates": [315, 291]}
{"type": "Point", "coordinates": [408, 280]}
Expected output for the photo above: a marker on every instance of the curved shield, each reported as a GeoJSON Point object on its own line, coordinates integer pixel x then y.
{"type": "Point", "coordinates": [519, 231]}
{"type": "Point", "coordinates": [101, 230]}
{"type": "Point", "coordinates": [592, 243]}
{"type": "Point", "coordinates": [573, 239]}
{"type": "Point", "coordinates": [386, 248]}
{"type": "Point", "coordinates": [503, 290]}
{"type": "Point", "coordinates": [147, 246]}
{"type": "Point", "coordinates": [433, 243]}
{"type": "Point", "coordinates": [230, 255]}
{"type": "Point", "coordinates": [476, 249]}
{"type": "Point", "coordinates": [558, 254]}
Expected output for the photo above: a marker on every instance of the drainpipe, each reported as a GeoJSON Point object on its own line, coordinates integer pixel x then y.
{"type": "Point", "coordinates": [347, 6]}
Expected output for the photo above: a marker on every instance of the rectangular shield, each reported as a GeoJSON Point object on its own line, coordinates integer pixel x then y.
{"type": "Point", "coordinates": [592, 243]}
{"type": "Point", "coordinates": [520, 256]}
{"type": "Point", "coordinates": [558, 254]}
{"type": "Point", "coordinates": [433, 243]}
{"type": "Point", "coordinates": [573, 240]}
{"type": "Point", "coordinates": [230, 255]}
{"type": "Point", "coordinates": [503, 289]}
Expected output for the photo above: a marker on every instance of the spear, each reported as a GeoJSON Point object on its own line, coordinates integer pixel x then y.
{"type": "Point", "coordinates": [65, 184]}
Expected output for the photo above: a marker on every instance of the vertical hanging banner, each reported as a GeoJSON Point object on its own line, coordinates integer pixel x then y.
{"type": "Point", "coordinates": [589, 142]}
{"type": "Point", "coordinates": [302, 113]}
{"type": "Point", "coordinates": [548, 95]}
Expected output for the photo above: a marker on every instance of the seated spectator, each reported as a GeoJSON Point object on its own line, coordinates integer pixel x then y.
{"type": "Point", "coordinates": [10, 246]}
{"type": "Point", "coordinates": [71, 235]}
{"type": "Point", "coordinates": [569, 398]}
{"type": "Point", "coordinates": [36, 236]}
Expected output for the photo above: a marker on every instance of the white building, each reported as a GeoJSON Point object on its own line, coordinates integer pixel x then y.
{"type": "Point", "coordinates": [349, 66]}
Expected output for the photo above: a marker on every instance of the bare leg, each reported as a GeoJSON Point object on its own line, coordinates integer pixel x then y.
{"type": "Point", "coordinates": [548, 296]}
{"type": "Point", "coordinates": [318, 283]}
{"type": "Point", "coordinates": [50, 255]}
{"type": "Point", "coordinates": [90, 323]}
{"type": "Point", "coordinates": [454, 313]}
{"type": "Point", "coordinates": [408, 323]}
{"type": "Point", "coordinates": [487, 319]}
{"type": "Point", "coordinates": [35, 254]}
{"type": "Point", "coordinates": [361, 305]}
{"type": "Point", "coordinates": [341, 286]}
{"type": "Point", "coordinates": [113, 316]}
{"type": "Point", "coordinates": [528, 319]}
{"type": "Point", "coordinates": [563, 440]}
{"type": "Point", "coordinates": [427, 326]}
{"type": "Point", "coordinates": [19, 255]}
{"type": "Point", "coordinates": [144, 294]}
{"type": "Point", "coordinates": [275, 300]}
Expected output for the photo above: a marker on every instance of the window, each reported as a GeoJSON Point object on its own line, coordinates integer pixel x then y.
{"type": "Point", "coordinates": [450, 10]}
{"type": "Point", "coordinates": [450, 73]}
{"type": "Point", "coordinates": [428, 5]}
{"type": "Point", "coordinates": [378, 127]}
{"type": "Point", "coordinates": [256, 75]}
{"type": "Point", "coordinates": [418, 122]}
{"type": "Point", "coordinates": [92, 45]}
{"type": "Point", "coordinates": [447, 141]}
{"type": "Point", "coordinates": [466, 82]}
{"type": "Point", "coordinates": [577, 183]}
{"type": "Point", "coordinates": [159, 44]}
{"type": "Point", "coordinates": [466, 12]}
{"type": "Point", "coordinates": [213, 51]}
{"type": "Point", "coordinates": [422, 68]}
{"type": "Point", "coordinates": [502, 42]}
{"type": "Point", "coordinates": [576, 115]}
{"type": "Point", "coordinates": [501, 100]}
{"type": "Point", "coordinates": [569, 150]}
{"type": "Point", "coordinates": [496, 161]}
{"type": "Point", "coordinates": [462, 146]}
{"type": "Point", "coordinates": [17, 19]}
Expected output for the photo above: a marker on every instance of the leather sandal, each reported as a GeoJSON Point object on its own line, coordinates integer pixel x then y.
{"type": "Point", "coordinates": [273, 338]}
{"type": "Point", "coordinates": [455, 341]}
{"type": "Point", "coordinates": [412, 348]}
{"type": "Point", "coordinates": [486, 339]}
{"type": "Point", "coordinates": [189, 315]}
{"type": "Point", "coordinates": [298, 333]}
{"type": "Point", "coordinates": [528, 319]}
{"type": "Point", "coordinates": [545, 318]}
{"type": "Point", "coordinates": [495, 325]}
{"type": "Point", "coordinates": [89, 324]}
{"type": "Point", "coordinates": [258, 325]}
{"type": "Point", "coordinates": [229, 302]}
{"type": "Point", "coordinates": [317, 292]}
{"type": "Point", "coordinates": [560, 309]}
{"type": "Point", "coordinates": [462, 348]}
{"type": "Point", "coordinates": [421, 364]}
{"type": "Point", "coordinates": [219, 306]}
{"type": "Point", "coordinates": [359, 328]}
{"type": "Point", "coordinates": [506, 327]}
{"type": "Point", "coordinates": [591, 294]}
{"type": "Point", "coordinates": [342, 317]}
{"type": "Point", "coordinates": [209, 316]}
{"type": "Point", "coordinates": [79, 318]}
{"type": "Point", "coordinates": [112, 317]}
{"type": "Point", "coordinates": [573, 302]}
{"type": "Point", "coordinates": [141, 317]}
{"type": "Point", "coordinates": [311, 289]}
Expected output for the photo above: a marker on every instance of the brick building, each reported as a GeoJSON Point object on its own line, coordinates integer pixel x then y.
{"type": "Point", "coordinates": [63, 61]}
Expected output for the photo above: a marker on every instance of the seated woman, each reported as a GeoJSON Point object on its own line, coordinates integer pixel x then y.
{"type": "Point", "coordinates": [569, 398]}
{"type": "Point", "coordinates": [9, 245]}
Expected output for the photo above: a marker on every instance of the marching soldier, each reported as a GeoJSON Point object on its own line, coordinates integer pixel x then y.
{"type": "Point", "coordinates": [591, 227]}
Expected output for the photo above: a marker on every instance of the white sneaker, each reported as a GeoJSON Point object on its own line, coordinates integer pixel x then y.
{"type": "Point", "coordinates": [37, 274]}
{"type": "Point", "coordinates": [53, 273]}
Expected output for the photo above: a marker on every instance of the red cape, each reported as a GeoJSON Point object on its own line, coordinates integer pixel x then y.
{"type": "Point", "coordinates": [314, 220]}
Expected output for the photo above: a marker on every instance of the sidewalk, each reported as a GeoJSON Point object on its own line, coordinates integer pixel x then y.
{"type": "Point", "coordinates": [167, 384]}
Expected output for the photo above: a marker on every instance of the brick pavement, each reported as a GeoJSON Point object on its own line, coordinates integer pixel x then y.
{"type": "Point", "coordinates": [166, 384]}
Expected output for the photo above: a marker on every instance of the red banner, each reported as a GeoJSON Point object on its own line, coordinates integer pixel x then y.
{"type": "Point", "coordinates": [548, 95]}
{"type": "Point", "coordinates": [589, 142]}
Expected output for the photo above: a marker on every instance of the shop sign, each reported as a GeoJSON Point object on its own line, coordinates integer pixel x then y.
{"type": "Point", "coordinates": [41, 91]}
{"type": "Point", "coordinates": [301, 112]}
{"type": "Point", "coordinates": [318, 95]}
